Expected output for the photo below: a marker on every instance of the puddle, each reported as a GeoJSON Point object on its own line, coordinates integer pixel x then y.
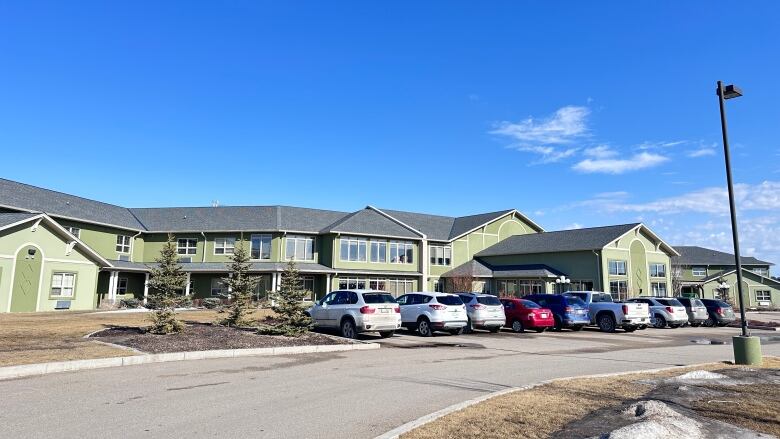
{"type": "Point", "coordinates": [707, 341]}
{"type": "Point", "coordinates": [441, 345]}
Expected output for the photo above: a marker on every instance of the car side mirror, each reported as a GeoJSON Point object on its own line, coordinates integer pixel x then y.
{"type": "Point", "coordinates": [323, 304]}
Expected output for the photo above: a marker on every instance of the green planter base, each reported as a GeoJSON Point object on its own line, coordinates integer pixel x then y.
{"type": "Point", "coordinates": [747, 350]}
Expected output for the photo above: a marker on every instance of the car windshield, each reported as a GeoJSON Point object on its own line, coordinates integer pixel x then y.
{"type": "Point", "coordinates": [722, 304]}
{"type": "Point", "coordinates": [529, 304]}
{"type": "Point", "coordinates": [575, 301]}
{"type": "Point", "coordinates": [697, 302]}
{"type": "Point", "coordinates": [378, 298]}
{"type": "Point", "coordinates": [488, 300]}
{"type": "Point", "coordinates": [581, 296]}
{"type": "Point", "coordinates": [449, 300]}
{"type": "Point", "coordinates": [670, 302]}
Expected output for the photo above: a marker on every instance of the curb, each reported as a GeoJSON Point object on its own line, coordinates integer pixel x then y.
{"type": "Point", "coordinates": [27, 370]}
{"type": "Point", "coordinates": [419, 422]}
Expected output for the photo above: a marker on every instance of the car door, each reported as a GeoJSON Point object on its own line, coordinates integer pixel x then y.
{"type": "Point", "coordinates": [319, 312]}
{"type": "Point", "coordinates": [405, 302]}
{"type": "Point", "coordinates": [337, 309]}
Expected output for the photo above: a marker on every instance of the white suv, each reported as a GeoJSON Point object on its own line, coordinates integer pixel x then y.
{"type": "Point", "coordinates": [429, 312]}
{"type": "Point", "coordinates": [356, 311]}
{"type": "Point", "coordinates": [485, 311]}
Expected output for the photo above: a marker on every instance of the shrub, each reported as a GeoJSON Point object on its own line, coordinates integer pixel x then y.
{"type": "Point", "coordinates": [130, 303]}
{"type": "Point", "coordinates": [211, 302]}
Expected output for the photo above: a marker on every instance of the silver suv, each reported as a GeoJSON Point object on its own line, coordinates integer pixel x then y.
{"type": "Point", "coordinates": [664, 311]}
{"type": "Point", "coordinates": [356, 311]}
{"type": "Point", "coordinates": [484, 311]}
{"type": "Point", "coordinates": [429, 312]}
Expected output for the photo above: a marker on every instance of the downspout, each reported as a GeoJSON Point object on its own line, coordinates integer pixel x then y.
{"type": "Point", "coordinates": [133, 250]}
{"type": "Point", "coordinates": [598, 268]}
{"type": "Point", "coordinates": [203, 258]}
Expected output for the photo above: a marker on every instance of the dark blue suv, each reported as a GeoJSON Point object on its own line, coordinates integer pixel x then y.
{"type": "Point", "coordinates": [569, 312]}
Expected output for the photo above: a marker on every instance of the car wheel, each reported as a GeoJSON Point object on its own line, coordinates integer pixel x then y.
{"type": "Point", "coordinates": [558, 324]}
{"type": "Point", "coordinates": [659, 322]}
{"type": "Point", "coordinates": [642, 327]}
{"type": "Point", "coordinates": [517, 326]}
{"type": "Point", "coordinates": [710, 322]}
{"type": "Point", "coordinates": [695, 324]}
{"type": "Point", "coordinates": [386, 334]}
{"type": "Point", "coordinates": [456, 331]}
{"type": "Point", "coordinates": [540, 330]}
{"type": "Point", "coordinates": [468, 329]}
{"type": "Point", "coordinates": [424, 327]}
{"type": "Point", "coordinates": [348, 329]}
{"type": "Point", "coordinates": [577, 328]}
{"type": "Point", "coordinates": [607, 323]}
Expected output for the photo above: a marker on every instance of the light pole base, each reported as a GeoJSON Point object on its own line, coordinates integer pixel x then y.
{"type": "Point", "coordinates": [747, 350]}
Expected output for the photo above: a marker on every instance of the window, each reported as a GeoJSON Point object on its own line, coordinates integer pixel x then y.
{"type": "Point", "coordinates": [507, 287]}
{"type": "Point", "coordinates": [218, 288]}
{"type": "Point", "coordinates": [187, 246]}
{"type": "Point", "coordinates": [300, 248]}
{"type": "Point", "coordinates": [75, 231]}
{"type": "Point", "coordinates": [763, 296]}
{"type": "Point", "coordinates": [352, 283]}
{"type": "Point", "coordinates": [378, 251]}
{"type": "Point", "coordinates": [761, 271]}
{"type": "Point", "coordinates": [699, 271]}
{"type": "Point", "coordinates": [261, 247]}
{"type": "Point", "coordinates": [617, 268]}
{"type": "Point", "coordinates": [657, 270]}
{"type": "Point", "coordinates": [401, 252]}
{"type": "Point", "coordinates": [581, 285]}
{"type": "Point", "coordinates": [123, 244]}
{"type": "Point", "coordinates": [377, 284]}
{"type": "Point", "coordinates": [440, 255]}
{"type": "Point", "coordinates": [398, 287]}
{"type": "Point", "coordinates": [438, 286]}
{"type": "Point", "coordinates": [63, 284]}
{"type": "Point", "coordinates": [308, 285]}
{"type": "Point", "coordinates": [353, 249]}
{"type": "Point", "coordinates": [618, 289]}
{"type": "Point", "coordinates": [530, 287]}
{"type": "Point", "coordinates": [658, 289]}
{"type": "Point", "coordinates": [224, 246]}
{"type": "Point", "coordinates": [121, 287]}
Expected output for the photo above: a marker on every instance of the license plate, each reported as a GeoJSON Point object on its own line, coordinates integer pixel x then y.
{"type": "Point", "coordinates": [544, 315]}
{"type": "Point", "coordinates": [582, 311]}
{"type": "Point", "coordinates": [384, 311]}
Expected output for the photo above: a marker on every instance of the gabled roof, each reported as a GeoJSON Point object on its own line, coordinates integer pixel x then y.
{"type": "Point", "coordinates": [473, 268]}
{"type": "Point", "coordinates": [370, 222]}
{"type": "Point", "coordinates": [594, 238]}
{"type": "Point", "coordinates": [694, 255]}
{"type": "Point", "coordinates": [745, 271]}
{"type": "Point", "coordinates": [11, 218]}
{"type": "Point", "coordinates": [35, 199]}
{"type": "Point", "coordinates": [477, 268]}
{"type": "Point", "coordinates": [447, 228]}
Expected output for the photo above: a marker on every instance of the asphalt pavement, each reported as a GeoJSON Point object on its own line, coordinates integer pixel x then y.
{"type": "Point", "coordinates": [357, 394]}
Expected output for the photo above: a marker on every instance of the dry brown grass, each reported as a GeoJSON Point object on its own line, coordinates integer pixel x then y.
{"type": "Point", "coordinates": [539, 412]}
{"type": "Point", "coordinates": [58, 336]}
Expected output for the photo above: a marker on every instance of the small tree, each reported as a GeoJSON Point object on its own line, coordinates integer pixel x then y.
{"type": "Point", "coordinates": [241, 285]}
{"type": "Point", "coordinates": [165, 281]}
{"type": "Point", "coordinates": [677, 280]}
{"type": "Point", "coordinates": [459, 284]}
{"type": "Point", "coordinates": [289, 306]}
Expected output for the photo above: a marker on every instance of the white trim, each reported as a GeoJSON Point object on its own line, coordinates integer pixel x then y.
{"type": "Point", "coordinates": [187, 287]}
{"type": "Point", "coordinates": [7, 257]}
{"type": "Point", "coordinates": [314, 253]}
{"type": "Point", "coordinates": [507, 222]}
{"type": "Point", "coordinates": [13, 274]}
{"type": "Point", "coordinates": [66, 261]}
{"type": "Point", "coordinates": [270, 246]}
{"type": "Point", "coordinates": [636, 228]}
{"type": "Point", "coordinates": [54, 215]}
{"type": "Point", "coordinates": [214, 247]}
{"type": "Point", "coordinates": [34, 228]}
{"type": "Point", "coordinates": [511, 212]}
{"type": "Point", "coordinates": [8, 226]}
{"type": "Point", "coordinates": [146, 287]}
{"type": "Point", "coordinates": [631, 262]}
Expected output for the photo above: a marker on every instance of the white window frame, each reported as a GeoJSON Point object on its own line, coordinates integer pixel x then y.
{"type": "Point", "coordinates": [618, 263]}
{"type": "Point", "coordinates": [702, 270]}
{"type": "Point", "coordinates": [58, 282]}
{"type": "Point", "coordinates": [761, 271]}
{"type": "Point", "coordinates": [621, 295]}
{"type": "Point", "coordinates": [408, 249]}
{"type": "Point", "coordinates": [440, 255]}
{"type": "Point", "coordinates": [654, 268]}
{"type": "Point", "coordinates": [261, 238]}
{"type": "Point", "coordinates": [187, 249]}
{"type": "Point", "coordinates": [381, 256]}
{"type": "Point", "coordinates": [295, 239]}
{"type": "Point", "coordinates": [344, 283]}
{"type": "Point", "coordinates": [655, 289]}
{"type": "Point", "coordinates": [123, 243]}
{"type": "Point", "coordinates": [120, 288]}
{"type": "Point", "coordinates": [75, 231]}
{"type": "Point", "coordinates": [349, 241]}
{"type": "Point", "coordinates": [373, 284]}
{"type": "Point", "coordinates": [768, 297]}
{"type": "Point", "coordinates": [226, 244]}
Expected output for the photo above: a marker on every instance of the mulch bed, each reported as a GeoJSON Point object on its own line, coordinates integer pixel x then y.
{"type": "Point", "coordinates": [204, 337]}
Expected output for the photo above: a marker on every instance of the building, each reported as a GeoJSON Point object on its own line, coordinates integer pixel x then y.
{"type": "Point", "coordinates": [60, 251]}
{"type": "Point", "coordinates": [706, 273]}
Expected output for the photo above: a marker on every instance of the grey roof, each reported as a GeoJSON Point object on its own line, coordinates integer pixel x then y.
{"type": "Point", "coordinates": [32, 198]}
{"type": "Point", "coordinates": [370, 222]}
{"type": "Point", "coordinates": [377, 272]}
{"type": "Point", "coordinates": [473, 268]}
{"type": "Point", "coordinates": [304, 267]}
{"type": "Point", "coordinates": [14, 217]}
{"type": "Point", "coordinates": [477, 268]}
{"type": "Point", "coordinates": [443, 228]}
{"type": "Point", "coordinates": [593, 238]}
{"type": "Point", "coordinates": [693, 255]}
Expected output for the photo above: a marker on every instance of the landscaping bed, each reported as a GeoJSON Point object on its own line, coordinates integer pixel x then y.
{"type": "Point", "coordinates": [688, 402]}
{"type": "Point", "coordinates": [202, 337]}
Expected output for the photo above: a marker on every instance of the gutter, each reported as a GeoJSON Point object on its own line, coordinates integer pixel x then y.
{"type": "Point", "coordinates": [132, 253]}
{"type": "Point", "coordinates": [598, 267]}
{"type": "Point", "coordinates": [203, 258]}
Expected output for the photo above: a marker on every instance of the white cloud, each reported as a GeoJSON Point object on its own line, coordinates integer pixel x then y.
{"type": "Point", "coordinates": [546, 137]}
{"type": "Point", "coordinates": [658, 145]}
{"type": "Point", "coordinates": [547, 154]}
{"type": "Point", "coordinates": [600, 152]}
{"type": "Point", "coordinates": [701, 152]}
{"type": "Point", "coordinates": [638, 161]}
{"type": "Point", "coordinates": [573, 226]}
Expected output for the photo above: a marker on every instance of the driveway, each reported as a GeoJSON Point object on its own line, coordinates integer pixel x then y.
{"type": "Point", "coordinates": [350, 394]}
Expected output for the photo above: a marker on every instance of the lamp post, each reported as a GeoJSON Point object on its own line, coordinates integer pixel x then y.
{"type": "Point", "coordinates": [747, 350]}
{"type": "Point", "coordinates": [562, 281]}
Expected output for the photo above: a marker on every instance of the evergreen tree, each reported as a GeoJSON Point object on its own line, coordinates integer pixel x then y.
{"type": "Point", "coordinates": [165, 281]}
{"type": "Point", "coordinates": [289, 305]}
{"type": "Point", "coordinates": [241, 285]}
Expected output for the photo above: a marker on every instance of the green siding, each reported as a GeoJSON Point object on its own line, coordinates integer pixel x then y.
{"type": "Point", "coordinates": [102, 239]}
{"type": "Point", "coordinates": [750, 284]}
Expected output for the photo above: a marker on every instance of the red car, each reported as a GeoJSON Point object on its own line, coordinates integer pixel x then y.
{"type": "Point", "coordinates": [523, 314]}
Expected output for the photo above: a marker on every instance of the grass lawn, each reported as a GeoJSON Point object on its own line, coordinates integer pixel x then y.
{"type": "Point", "coordinates": [58, 336]}
{"type": "Point", "coordinates": [544, 411]}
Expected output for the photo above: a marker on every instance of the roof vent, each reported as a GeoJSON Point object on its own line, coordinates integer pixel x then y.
{"type": "Point", "coordinates": [185, 217]}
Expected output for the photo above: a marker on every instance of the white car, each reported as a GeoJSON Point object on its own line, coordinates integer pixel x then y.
{"type": "Point", "coordinates": [485, 311]}
{"type": "Point", "coordinates": [429, 312]}
{"type": "Point", "coordinates": [356, 311]}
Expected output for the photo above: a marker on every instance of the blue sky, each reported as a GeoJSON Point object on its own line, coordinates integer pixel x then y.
{"type": "Point", "coordinates": [576, 113]}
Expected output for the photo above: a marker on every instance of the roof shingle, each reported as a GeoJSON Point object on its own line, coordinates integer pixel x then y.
{"type": "Point", "coordinates": [560, 241]}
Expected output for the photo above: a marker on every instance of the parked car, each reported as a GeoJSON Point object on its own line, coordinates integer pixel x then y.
{"type": "Point", "coordinates": [720, 312]}
{"type": "Point", "coordinates": [484, 311]}
{"type": "Point", "coordinates": [522, 314]}
{"type": "Point", "coordinates": [697, 312]}
{"type": "Point", "coordinates": [664, 311]}
{"type": "Point", "coordinates": [568, 311]}
{"type": "Point", "coordinates": [609, 315]}
{"type": "Point", "coordinates": [430, 312]}
{"type": "Point", "coordinates": [356, 311]}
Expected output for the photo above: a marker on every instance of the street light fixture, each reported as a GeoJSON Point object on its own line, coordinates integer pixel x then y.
{"type": "Point", "coordinates": [747, 350]}
{"type": "Point", "coordinates": [562, 281]}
